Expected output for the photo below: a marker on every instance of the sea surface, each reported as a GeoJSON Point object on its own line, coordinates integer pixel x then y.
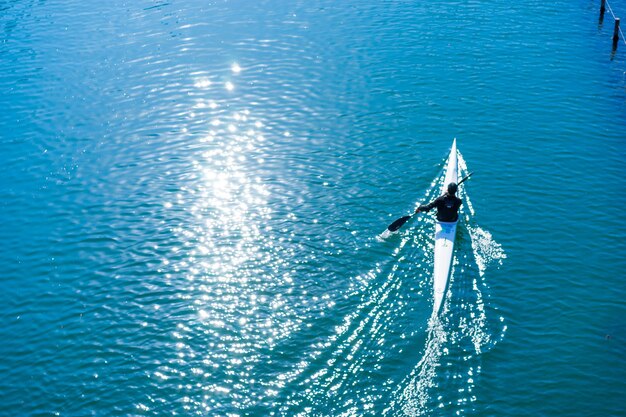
{"type": "Point", "coordinates": [193, 196]}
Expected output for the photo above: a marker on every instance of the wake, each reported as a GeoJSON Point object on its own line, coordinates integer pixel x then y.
{"type": "Point", "coordinates": [385, 321]}
{"type": "Point", "coordinates": [460, 334]}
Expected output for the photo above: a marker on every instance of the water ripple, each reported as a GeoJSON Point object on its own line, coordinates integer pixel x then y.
{"type": "Point", "coordinates": [191, 194]}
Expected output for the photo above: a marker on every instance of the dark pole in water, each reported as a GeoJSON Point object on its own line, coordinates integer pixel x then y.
{"type": "Point", "coordinates": [616, 33]}
{"type": "Point", "coordinates": [602, 10]}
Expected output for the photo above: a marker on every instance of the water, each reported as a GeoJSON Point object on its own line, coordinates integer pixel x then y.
{"type": "Point", "coordinates": [192, 197]}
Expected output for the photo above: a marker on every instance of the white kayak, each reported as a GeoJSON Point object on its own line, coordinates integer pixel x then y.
{"type": "Point", "coordinates": [445, 234]}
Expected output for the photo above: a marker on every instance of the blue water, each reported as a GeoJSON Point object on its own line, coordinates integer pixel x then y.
{"type": "Point", "coordinates": [192, 195]}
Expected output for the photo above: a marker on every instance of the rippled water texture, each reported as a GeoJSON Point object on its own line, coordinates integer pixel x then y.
{"type": "Point", "coordinates": [193, 196]}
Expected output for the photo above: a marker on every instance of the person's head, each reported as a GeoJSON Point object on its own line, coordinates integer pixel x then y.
{"type": "Point", "coordinates": [452, 187]}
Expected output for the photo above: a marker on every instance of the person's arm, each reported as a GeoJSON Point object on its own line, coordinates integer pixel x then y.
{"type": "Point", "coordinates": [427, 207]}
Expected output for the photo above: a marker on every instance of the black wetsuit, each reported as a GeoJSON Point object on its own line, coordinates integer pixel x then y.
{"type": "Point", "coordinates": [447, 207]}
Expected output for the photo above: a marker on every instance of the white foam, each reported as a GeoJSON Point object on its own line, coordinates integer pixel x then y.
{"type": "Point", "coordinates": [486, 250]}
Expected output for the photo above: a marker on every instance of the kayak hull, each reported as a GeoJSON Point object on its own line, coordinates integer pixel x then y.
{"type": "Point", "coordinates": [445, 234]}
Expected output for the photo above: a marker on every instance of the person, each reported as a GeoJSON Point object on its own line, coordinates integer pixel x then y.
{"type": "Point", "coordinates": [447, 205]}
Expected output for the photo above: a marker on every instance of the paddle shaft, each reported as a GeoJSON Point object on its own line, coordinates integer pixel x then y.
{"type": "Point", "coordinates": [399, 222]}
{"type": "Point", "coordinates": [459, 183]}
{"type": "Point", "coordinates": [465, 179]}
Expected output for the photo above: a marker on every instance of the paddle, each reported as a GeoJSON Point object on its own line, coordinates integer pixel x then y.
{"type": "Point", "coordinates": [400, 222]}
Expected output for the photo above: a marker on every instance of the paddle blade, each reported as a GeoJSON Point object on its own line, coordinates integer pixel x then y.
{"type": "Point", "coordinates": [398, 223]}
